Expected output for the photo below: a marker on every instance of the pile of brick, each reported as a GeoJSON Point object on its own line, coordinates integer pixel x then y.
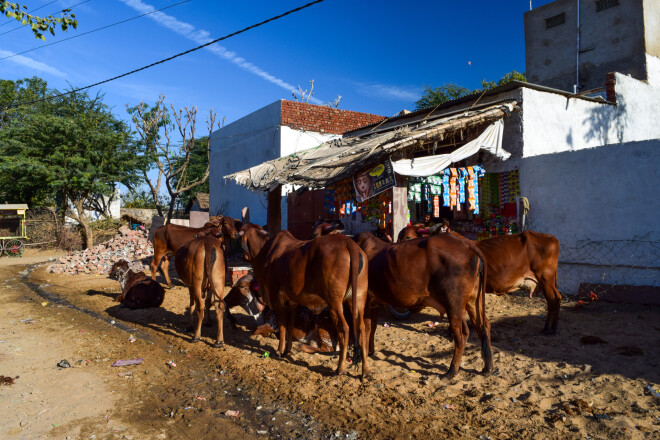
{"type": "Point", "coordinates": [127, 244]}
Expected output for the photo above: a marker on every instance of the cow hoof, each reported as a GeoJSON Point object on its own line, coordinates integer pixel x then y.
{"type": "Point", "coordinates": [219, 344]}
{"type": "Point", "coordinates": [486, 372]}
{"type": "Point", "coordinates": [450, 374]}
{"type": "Point", "coordinates": [194, 340]}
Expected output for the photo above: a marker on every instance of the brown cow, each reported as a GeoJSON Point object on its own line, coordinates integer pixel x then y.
{"type": "Point", "coordinates": [200, 264]}
{"type": "Point", "coordinates": [315, 333]}
{"type": "Point", "coordinates": [442, 272]}
{"type": "Point", "coordinates": [326, 227]}
{"type": "Point", "coordinates": [137, 290]}
{"type": "Point", "coordinates": [526, 261]}
{"type": "Point", "coordinates": [169, 238]}
{"type": "Point", "coordinates": [244, 294]}
{"type": "Point", "coordinates": [319, 273]}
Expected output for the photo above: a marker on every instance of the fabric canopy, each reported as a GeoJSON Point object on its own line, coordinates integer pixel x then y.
{"type": "Point", "coordinates": [490, 140]}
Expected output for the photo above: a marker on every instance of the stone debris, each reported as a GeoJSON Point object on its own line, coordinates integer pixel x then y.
{"type": "Point", "coordinates": [127, 244]}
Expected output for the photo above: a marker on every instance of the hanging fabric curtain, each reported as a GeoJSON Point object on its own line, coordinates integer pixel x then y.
{"type": "Point", "coordinates": [490, 140]}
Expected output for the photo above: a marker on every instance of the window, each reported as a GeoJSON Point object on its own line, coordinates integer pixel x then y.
{"type": "Point", "coordinates": [601, 5]}
{"type": "Point", "coordinates": [555, 20]}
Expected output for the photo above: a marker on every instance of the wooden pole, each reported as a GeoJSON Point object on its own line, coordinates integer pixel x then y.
{"type": "Point", "coordinates": [399, 206]}
{"type": "Point", "coordinates": [275, 210]}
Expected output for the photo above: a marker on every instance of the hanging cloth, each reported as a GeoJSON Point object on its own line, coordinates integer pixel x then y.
{"type": "Point", "coordinates": [490, 140]}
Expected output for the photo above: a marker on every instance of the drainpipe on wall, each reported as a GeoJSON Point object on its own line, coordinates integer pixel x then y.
{"type": "Point", "coordinates": [577, 55]}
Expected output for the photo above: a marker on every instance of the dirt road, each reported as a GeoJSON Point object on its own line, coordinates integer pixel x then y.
{"type": "Point", "coordinates": [544, 387]}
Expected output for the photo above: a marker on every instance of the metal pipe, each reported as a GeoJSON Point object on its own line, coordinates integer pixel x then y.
{"type": "Point", "coordinates": [577, 67]}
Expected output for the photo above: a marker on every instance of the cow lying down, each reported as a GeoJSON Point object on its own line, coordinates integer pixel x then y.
{"type": "Point", "coordinates": [138, 291]}
{"type": "Point", "coordinates": [315, 333]}
{"type": "Point", "coordinates": [244, 294]}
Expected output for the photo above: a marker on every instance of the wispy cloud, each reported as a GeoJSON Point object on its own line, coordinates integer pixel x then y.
{"type": "Point", "coordinates": [201, 36]}
{"type": "Point", "coordinates": [390, 92]}
{"type": "Point", "coordinates": [31, 64]}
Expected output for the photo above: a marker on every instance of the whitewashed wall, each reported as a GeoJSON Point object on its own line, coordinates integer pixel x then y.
{"type": "Point", "coordinates": [590, 171]}
{"type": "Point", "coordinates": [253, 139]}
{"type": "Point", "coordinates": [242, 144]}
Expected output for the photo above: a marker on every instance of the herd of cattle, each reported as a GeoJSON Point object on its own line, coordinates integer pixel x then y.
{"type": "Point", "coordinates": [333, 283]}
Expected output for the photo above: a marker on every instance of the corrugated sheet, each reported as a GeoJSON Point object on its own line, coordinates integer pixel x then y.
{"type": "Point", "coordinates": [340, 158]}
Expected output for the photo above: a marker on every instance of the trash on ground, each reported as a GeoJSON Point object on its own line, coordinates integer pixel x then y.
{"type": "Point", "coordinates": [232, 413]}
{"type": "Point", "coordinates": [45, 303]}
{"type": "Point", "coordinates": [266, 355]}
{"type": "Point", "coordinates": [126, 374]}
{"type": "Point", "coordinates": [123, 363]}
{"type": "Point", "coordinates": [64, 364]}
{"type": "Point", "coordinates": [653, 390]}
{"type": "Point", "coordinates": [28, 320]}
{"type": "Point", "coordinates": [172, 364]}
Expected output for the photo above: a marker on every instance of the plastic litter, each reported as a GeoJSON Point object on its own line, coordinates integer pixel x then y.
{"type": "Point", "coordinates": [386, 325]}
{"type": "Point", "coordinates": [126, 374]}
{"type": "Point", "coordinates": [232, 413]}
{"type": "Point", "coordinates": [45, 303]}
{"type": "Point", "coordinates": [653, 391]}
{"type": "Point", "coordinates": [28, 320]}
{"type": "Point", "coordinates": [123, 363]}
{"type": "Point", "coordinates": [172, 364]}
{"type": "Point", "coordinates": [266, 355]}
{"type": "Point", "coordinates": [64, 364]}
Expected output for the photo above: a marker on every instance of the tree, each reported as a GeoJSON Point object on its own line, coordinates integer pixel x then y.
{"type": "Point", "coordinates": [70, 149]}
{"type": "Point", "coordinates": [39, 24]}
{"type": "Point", "coordinates": [195, 170]}
{"type": "Point", "coordinates": [304, 95]}
{"type": "Point", "coordinates": [171, 160]}
{"type": "Point", "coordinates": [435, 96]}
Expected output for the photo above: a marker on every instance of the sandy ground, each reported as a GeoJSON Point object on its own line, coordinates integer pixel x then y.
{"type": "Point", "coordinates": [543, 387]}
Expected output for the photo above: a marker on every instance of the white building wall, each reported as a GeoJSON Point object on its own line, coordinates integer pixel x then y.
{"type": "Point", "coordinates": [589, 171]}
{"type": "Point", "coordinates": [242, 144]}
{"type": "Point", "coordinates": [253, 139]}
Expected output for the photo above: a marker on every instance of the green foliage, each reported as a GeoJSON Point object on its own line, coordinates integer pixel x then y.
{"type": "Point", "coordinates": [70, 148]}
{"type": "Point", "coordinates": [439, 95]}
{"type": "Point", "coordinates": [435, 96]}
{"type": "Point", "coordinates": [39, 24]}
{"type": "Point", "coordinates": [141, 198]}
{"type": "Point", "coordinates": [195, 170]}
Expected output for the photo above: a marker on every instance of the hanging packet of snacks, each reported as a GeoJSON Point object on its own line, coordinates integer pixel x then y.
{"type": "Point", "coordinates": [453, 187]}
{"type": "Point", "coordinates": [462, 174]}
{"type": "Point", "coordinates": [436, 206]}
{"type": "Point", "coordinates": [445, 188]}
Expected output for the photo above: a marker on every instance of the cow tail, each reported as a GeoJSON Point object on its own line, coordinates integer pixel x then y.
{"type": "Point", "coordinates": [357, 262]}
{"type": "Point", "coordinates": [210, 256]}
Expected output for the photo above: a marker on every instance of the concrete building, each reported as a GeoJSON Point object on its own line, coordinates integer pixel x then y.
{"type": "Point", "coordinates": [277, 130]}
{"type": "Point", "coordinates": [577, 42]}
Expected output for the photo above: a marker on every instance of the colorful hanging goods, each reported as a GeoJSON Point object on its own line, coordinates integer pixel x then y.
{"type": "Point", "coordinates": [462, 174]}
{"type": "Point", "coordinates": [436, 206]}
{"type": "Point", "coordinates": [445, 188]}
{"type": "Point", "coordinates": [452, 187]}
{"type": "Point", "coordinates": [472, 200]}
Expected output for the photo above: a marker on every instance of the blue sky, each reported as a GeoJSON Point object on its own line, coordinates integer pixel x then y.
{"type": "Point", "coordinates": [376, 55]}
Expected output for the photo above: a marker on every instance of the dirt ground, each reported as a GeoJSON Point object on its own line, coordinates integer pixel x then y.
{"type": "Point", "coordinates": [563, 386]}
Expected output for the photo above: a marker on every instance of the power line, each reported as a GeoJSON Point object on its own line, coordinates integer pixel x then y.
{"type": "Point", "coordinates": [94, 30]}
{"type": "Point", "coordinates": [277, 17]}
{"type": "Point", "coordinates": [21, 27]}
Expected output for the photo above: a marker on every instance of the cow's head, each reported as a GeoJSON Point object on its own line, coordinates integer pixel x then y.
{"type": "Point", "coordinates": [253, 238]}
{"type": "Point", "coordinates": [327, 228]}
{"type": "Point", "coordinates": [119, 269]}
{"type": "Point", "coordinates": [245, 294]}
{"type": "Point", "coordinates": [213, 231]}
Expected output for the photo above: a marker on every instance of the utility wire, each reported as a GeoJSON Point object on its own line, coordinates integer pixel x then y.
{"type": "Point", "coordinates": [170, 58]}
{"type": "Point", "coordinates": [21, 27]}
{"type": "Point", "coordinates": [31, 12]}
{"type": "Point", "coordinates": [94, 30]}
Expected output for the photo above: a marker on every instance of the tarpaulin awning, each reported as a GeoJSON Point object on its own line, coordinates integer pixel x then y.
{"type": "Point", "coordinates": [334, 160]}
{"type": "Point", "coordinates": [490, 140]}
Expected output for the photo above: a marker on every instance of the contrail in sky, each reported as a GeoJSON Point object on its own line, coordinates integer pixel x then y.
{"type": "Point", "coordinates": [32, 64]}
{"type": "Point", "coordinates": [201, 36]}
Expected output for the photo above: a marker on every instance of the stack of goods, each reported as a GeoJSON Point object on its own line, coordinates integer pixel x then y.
{"type": "Point", "coordinates": [509, 189]}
